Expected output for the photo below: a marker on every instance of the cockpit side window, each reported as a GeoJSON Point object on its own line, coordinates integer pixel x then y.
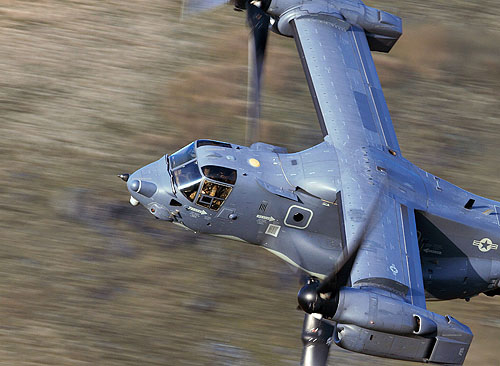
{"type": "Point", "coordinates": [200, 143]}
{"type": "Point", "coordinates": [212, 195]}
{"type": "Point", "coordinates": [182, 156]}
{"type": "Point", "coordinates": [188, 178]}
{"type": "Point", "coordinates": [190, 192]}
{"type": "Point", "coordinates": [220, 174]}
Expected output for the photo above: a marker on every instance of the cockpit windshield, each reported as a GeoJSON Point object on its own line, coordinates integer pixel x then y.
{"type": "Point", "coordinates": [187, 179]}
{"type": "Point", "coordinates": [182, 156]}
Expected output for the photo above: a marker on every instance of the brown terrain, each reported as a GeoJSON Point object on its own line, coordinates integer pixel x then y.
{"type": "Point", "coordinates": [90, 89]}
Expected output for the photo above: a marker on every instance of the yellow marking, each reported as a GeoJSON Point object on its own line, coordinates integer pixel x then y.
{"type": "Point", "coordinates": [254, 162]}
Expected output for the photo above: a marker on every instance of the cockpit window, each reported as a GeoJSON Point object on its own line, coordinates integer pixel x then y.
{"type": "Point", "coordinates": [212, 195]}
{"type": "Point", "coordinates": [187, 179]}
{"type": "Point", "coordinates": [220, 174]}
{"type": "Point", "coordinates": [215, 188]}
{"type": "Point", "coordinates": [182, 156]}
{"type": "Point", "coordinates": [200, 143]}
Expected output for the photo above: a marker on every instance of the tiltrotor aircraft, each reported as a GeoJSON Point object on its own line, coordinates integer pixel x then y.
{"type": "Point", "coordinates": [376, 234]}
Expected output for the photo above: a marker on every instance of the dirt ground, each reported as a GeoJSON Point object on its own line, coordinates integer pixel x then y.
{"type": "Point", "coordinates": [90, 89]}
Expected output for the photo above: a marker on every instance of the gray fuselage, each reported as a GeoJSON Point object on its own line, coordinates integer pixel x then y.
{"type": "Point", "coordinates": [287, 204]}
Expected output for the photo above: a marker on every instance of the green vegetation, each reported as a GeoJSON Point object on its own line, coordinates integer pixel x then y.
{"type": "Point", "coordinates": [90, 89]}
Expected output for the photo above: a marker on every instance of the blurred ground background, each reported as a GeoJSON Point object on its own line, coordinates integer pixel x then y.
{"type": "Point", "coordinates": [93, 88]}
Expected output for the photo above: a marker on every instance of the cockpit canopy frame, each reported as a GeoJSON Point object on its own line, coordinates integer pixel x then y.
{"type": "Point", "coordinates": [212, 184]}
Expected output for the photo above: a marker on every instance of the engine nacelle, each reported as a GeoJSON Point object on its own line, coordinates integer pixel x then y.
{"type": "Point", "coordinates": [382, 29]}
{"type": "Point", "coordinates": [382, 324]}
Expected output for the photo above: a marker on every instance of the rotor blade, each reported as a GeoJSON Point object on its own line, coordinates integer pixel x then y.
{"type": "Point", "coordinates": [331, 283]}
{"type": "Point", "coordinates": [316, 337]}
{"type": "Point", "coordinates": [258, 21]}
{"type": "Point", "coordinates": [194, 7]}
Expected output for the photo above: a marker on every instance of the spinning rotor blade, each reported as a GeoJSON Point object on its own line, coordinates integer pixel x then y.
{"type": "Point", "coordinates": [331, 283]}
{"type": "Point", "coordinates": [321, 299]}
{"type": "Point", "coordinates": [316, 338]}
{"type": "Point", "coordinates": [258, 21]}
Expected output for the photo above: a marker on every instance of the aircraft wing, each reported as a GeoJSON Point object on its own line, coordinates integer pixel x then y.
{"type": "Point", "coordinates": [353, 114]}
{"type": "Point", "coordinates": [344, 83]}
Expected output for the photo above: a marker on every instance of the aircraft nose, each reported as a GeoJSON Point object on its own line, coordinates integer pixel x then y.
{"type": "Point", "coordinates": [151, 187]}
{"type": "Point", "coordinates": [143, 187]}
